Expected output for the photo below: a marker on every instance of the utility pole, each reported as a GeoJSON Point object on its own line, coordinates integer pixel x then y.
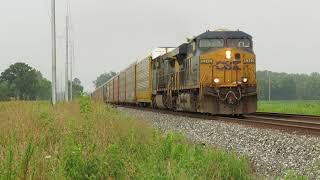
{"type": "Point", "coordinates": [54, 68]}
{"type": "Point", "coordinates": [71, 47]}
{"type": "Point", "coordinates": [269, 85]}
{"type": "Point", "coordinates": [71, 75]}
{"type": "Point", "coordinates": [60, 83]}
{"type": "Point", "coordinates": [67, 60]}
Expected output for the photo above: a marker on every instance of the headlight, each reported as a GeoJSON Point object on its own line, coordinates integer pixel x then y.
{"type": "Point", "coordinates": [245, 80]}
{"type": "Point", "coordinates": [228, 54]}
{"type": "Point", "coordinates": [216, 80]}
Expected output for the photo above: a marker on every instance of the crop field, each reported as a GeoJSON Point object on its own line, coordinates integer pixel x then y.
{"type": "Point", "coordinates": [88, 140]}
{"type": "Point", "coordinates": [290, 107]}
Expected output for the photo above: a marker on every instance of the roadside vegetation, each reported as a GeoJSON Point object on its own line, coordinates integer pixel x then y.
{"type": "Point", "coordinates": [23, 82]}
{"type": "Point", "coordinates": [290, 107]}
{"type": "Point", "coordinates": [87, 140]}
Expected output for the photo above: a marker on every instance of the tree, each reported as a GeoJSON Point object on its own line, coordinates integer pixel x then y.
{"type": "Point", "coordinates": [5, 91]}
{"type": "Point", "coordinates": [289, 86]}
{"type": "Point", "coordinates": [25, 83]}
{"type": "Point", "coordinates": [44, 89]}
{"type": "Point", "coordinates": [103, 78]}
{"type": "Point", "coordinates": [77, 88]}
{"type": "Point", "coordinates": [22, 78]}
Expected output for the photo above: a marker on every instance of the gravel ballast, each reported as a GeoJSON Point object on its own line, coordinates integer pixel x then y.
{"type": "Point", "coordinates": [272, 152]}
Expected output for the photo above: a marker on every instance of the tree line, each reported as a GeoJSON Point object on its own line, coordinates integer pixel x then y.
{"type": "Point", "coordinates": [284, 86]}
{"type": "Point", "coordinates": [22, 82]}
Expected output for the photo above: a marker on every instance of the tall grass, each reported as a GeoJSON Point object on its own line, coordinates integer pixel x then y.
{"type": "Point", "coordinates": [88, 140]}
{"type": "Point", "coordinates": [290, 107]}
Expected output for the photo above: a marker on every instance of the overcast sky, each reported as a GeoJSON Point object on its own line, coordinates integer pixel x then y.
{"type": "Point", "coordinates": [109, 35]}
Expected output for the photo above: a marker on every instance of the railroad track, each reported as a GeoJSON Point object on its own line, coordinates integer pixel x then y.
{"type": "Point", "coordinates": [305, 123]}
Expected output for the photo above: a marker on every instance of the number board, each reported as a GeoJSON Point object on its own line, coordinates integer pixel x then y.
{"type": "Point", "coordinates": [249, 61]}
{"type": "Point", "coordinates": [206, 61]}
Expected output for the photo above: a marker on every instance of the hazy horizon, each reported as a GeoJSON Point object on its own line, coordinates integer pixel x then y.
{"type": "Point", "coordinates": [110, 35]}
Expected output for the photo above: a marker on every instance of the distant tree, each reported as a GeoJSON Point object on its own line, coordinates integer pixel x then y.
{"type": "Point", "coordinates": [5, 92]}
{"type": "Point", "coordinates": [23, 79]}
{"type": "Point", "coordinates": [44, 89]}
{"type": "Point", "coordinates": [25, 83]}
{"type": "Point", "coordinates": [286, 86]}
{"type": "Point", "coordinates": [103, 78]}
{"type": "Point", "coordinates": [77, 88]}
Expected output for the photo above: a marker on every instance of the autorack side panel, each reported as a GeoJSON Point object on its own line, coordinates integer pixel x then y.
{"type": "Point", "coordinates": [144, 80]}
{"type": "Point", "coordinates": [116, 89]}
{"type": "Point", "coordinates": [131, 84]}
{"type": "Point", "coordinates": [107, 92]}
{"type": "Point", "coordinates": [122, 87]}
{"type": "Point", "coordinates": [97, 95]}
{"type": "Point", "coordinates": [100, 94]}
{"type": "Point", "coordinates": [111, 87]}
{"type": "Point", "coordinates": [104, 93]}
{"type": "Point", "coordinates": [94, 95]}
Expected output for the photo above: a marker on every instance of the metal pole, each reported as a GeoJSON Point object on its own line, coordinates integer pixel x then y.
{"type": "Point", "coordinates": [71, 75]}
{"type": "Point", "coordinates": [72, 49]}
{"type": "Point", "coordinates": [54, 69]}
{"type": "Point", "coordinates": [61, 87]}
{"type": "Point", "coordinates": [67, 61]}
{"type": "Point", "coordinates": [269, 86]}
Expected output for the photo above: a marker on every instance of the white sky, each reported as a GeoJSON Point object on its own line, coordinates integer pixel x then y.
{"type": "Point", "coordinates": [109, 35]}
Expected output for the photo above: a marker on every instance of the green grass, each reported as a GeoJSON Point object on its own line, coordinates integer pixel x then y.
{"type": "Point", "coordinates": [290, 107]}
{"type": "Point", "coordinates": [88, 140]}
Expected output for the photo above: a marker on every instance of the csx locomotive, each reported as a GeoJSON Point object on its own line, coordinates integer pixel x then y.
{"type": "Point", "coordinates": [213, 73]}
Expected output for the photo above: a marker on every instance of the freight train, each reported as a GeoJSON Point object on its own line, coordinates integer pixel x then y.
{"type": "Point", "coordinates": [214, 73]}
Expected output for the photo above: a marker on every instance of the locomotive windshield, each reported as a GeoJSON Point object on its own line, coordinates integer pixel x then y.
{"type": "Point", "coordinates": [220, 43]}
{"type": "Point", "coordinates": [211, 43]}
{"type": "Point", "coordinates": [240, 43]}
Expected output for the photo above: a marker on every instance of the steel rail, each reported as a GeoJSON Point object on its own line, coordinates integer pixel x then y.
{"type": "Point", "coordinates": [286, 121]}
{"type": "Point", "coordinates": [287, 115]}
{"type": "Point", "coordinates": [307, 122]}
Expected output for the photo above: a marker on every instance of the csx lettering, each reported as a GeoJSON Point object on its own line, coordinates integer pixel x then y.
{"type": "Point", "coordinates": [224, 65]}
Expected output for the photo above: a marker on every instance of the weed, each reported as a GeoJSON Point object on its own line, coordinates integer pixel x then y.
{"type": "Point", "coordinates": [291, 175]}
{"type": "Point", "coordinates": [8, 169]}
{"type": "Point", "coordinates": [85, 105]}
{"type": "Point", "coordinates": [26, 161]}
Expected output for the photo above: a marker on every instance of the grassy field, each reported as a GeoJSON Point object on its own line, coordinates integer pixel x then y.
{"type": "Point", "coordinates": [290, 107]}
{"type": "Point", "coordinates": [93, 141]}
